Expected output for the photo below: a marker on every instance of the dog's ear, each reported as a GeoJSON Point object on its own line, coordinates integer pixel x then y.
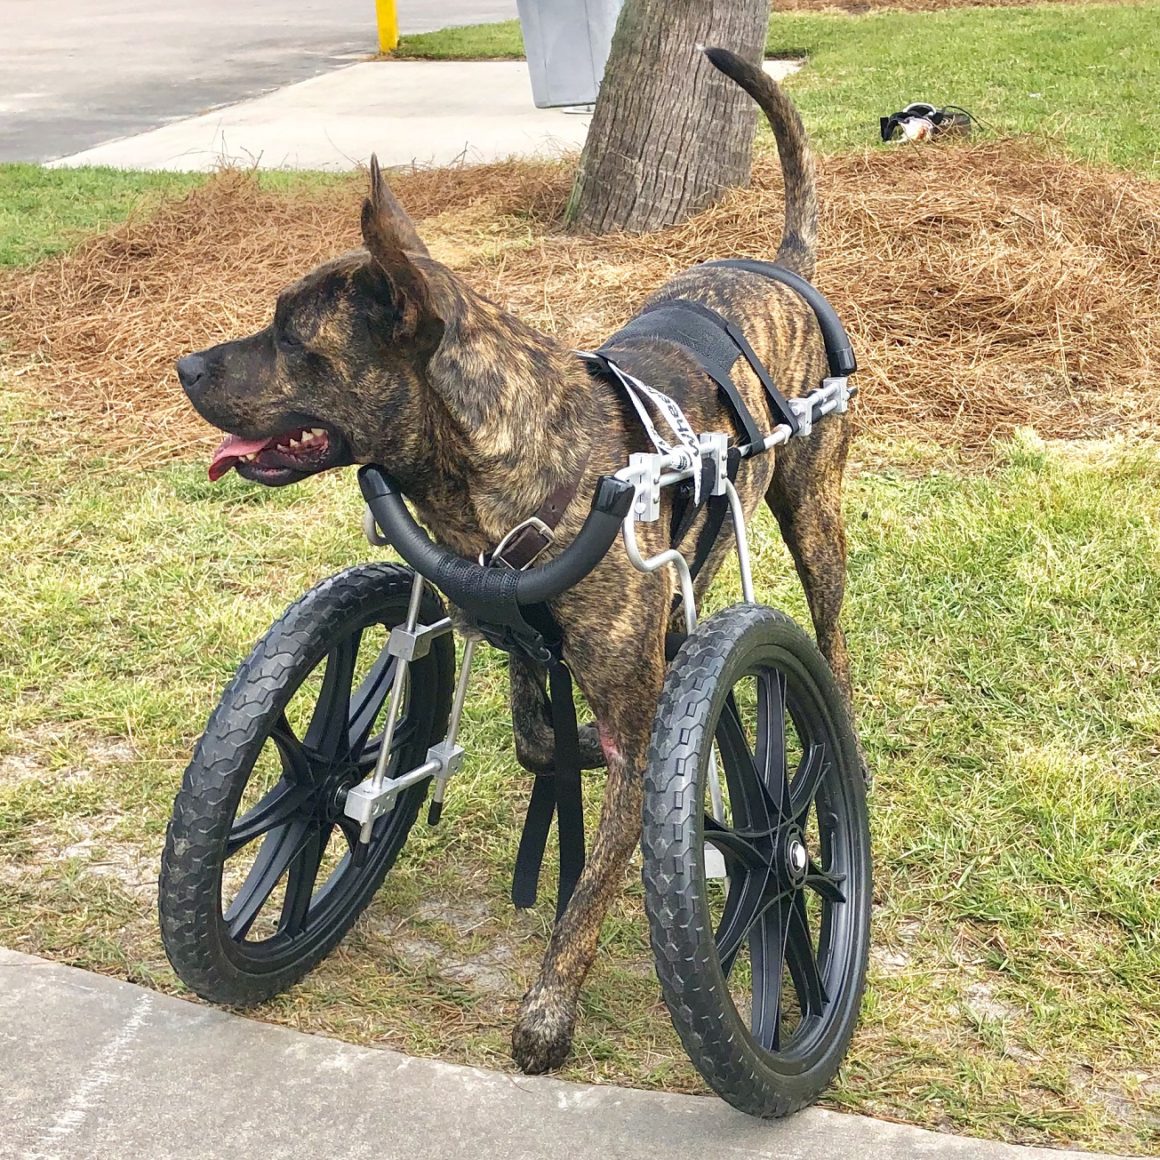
{"type": "Point", "coordinates": [388, 234]}
{"type": "Point", "coordinates": [387, 206]}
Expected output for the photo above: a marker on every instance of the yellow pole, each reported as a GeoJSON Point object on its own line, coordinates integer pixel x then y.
{"type": "Point", "coordinates": [388, 25]}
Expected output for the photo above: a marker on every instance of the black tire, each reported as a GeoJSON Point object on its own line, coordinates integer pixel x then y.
{"type": "Point", "coordinates": [784, 1053]}
{"type": "Point", "coordinates": [308, 878]}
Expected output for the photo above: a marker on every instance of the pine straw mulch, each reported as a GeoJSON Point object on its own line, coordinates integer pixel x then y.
{"type": "Point", "coordinates": [986, 286]}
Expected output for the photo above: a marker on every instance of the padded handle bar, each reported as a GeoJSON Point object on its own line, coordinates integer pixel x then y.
{"type": "Point", "coordinates": [473, 587]}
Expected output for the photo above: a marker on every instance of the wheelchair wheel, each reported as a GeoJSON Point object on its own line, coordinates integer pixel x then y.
{"type": "Point", "coordinates": [262, 873]}
{"type": "Point", "coordinates": [757, 860]}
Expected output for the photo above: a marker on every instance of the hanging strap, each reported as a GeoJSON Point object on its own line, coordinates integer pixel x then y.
{"type": "Point", "coordinates": [716, 510]}
{"type": "Point", "coordinates": [560, 792]}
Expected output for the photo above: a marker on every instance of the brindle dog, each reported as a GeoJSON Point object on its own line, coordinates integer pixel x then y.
{"type": "Point", "coordinates": [385, 356]}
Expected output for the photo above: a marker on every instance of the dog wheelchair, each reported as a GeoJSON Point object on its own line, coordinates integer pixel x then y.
{"type": "Point", "coordinates": [756, 847]}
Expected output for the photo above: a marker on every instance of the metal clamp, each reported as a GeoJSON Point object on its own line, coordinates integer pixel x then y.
{"type": "Point", "coordinates": [715, 449]}
{"type": "Point", "coordinates": [644, 473]}
{"type": "Point", "coordinates": [803, 409]}
{"type": "Point", "coordinates": [412, 644]}
{"type": "Point", "coordinates": [448, 755]}
{"type": "Point", "coordinates": [842, 393]}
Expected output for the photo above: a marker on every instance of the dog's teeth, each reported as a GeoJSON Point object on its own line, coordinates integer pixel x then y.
{"type": "Point", "coordinates": [318, 432]}
{"type": "Point", "coordinates": [293, 442]}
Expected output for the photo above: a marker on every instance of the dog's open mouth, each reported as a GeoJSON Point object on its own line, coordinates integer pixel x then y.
{"type": "Point", "coordinates": [282, 458]}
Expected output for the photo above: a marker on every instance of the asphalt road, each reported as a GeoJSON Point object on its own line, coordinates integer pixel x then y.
{"type": "Point", "coordinates": [75, 73]}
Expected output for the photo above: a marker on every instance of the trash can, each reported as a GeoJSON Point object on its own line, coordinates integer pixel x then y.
{"type": "Point", "coordinates": [567, 43]}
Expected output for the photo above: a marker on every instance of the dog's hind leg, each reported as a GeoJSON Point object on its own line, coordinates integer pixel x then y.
{"type": "Point", "coordinates": [623, 685]}
{"type": "Point", "coordinates": [532, 721]}
{"type": "Point", "coordinates": [805, 496]}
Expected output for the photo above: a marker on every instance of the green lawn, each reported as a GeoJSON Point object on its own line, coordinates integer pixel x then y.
{"type": "Point", "coordinates": [43, 211]}
{"type": "Point", "coordinates": [1003, 627]}
{"type": "Point", "coordinates": [1088, 75]}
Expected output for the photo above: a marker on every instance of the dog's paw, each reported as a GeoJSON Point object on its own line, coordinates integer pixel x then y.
{"type": "Point", "coordinates": [542, 1038]}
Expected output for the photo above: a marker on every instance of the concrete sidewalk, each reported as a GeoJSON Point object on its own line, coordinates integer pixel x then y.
{"type": "Point", "coordinates": [409, 112]}
{"type": "Point", "coordinates": [92, 1067]}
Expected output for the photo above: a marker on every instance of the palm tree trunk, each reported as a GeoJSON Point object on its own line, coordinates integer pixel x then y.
{"type": "Point", "coordinates": [669, 133]}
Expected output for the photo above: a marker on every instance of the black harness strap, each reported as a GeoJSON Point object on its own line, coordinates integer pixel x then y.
{"type": "Point", "coordinates": [700, 333]}
{"type": "Point", "coordinates": [560, 792]}
{"type": "Point", "coordinates": [777, 400]}
{"type": "Point", "coordinates": [717, 508]}
{"type": "Point", "coordinates": [684, 510]}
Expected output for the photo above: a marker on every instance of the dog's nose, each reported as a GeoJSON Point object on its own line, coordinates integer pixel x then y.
{"type": "Point", "coordinates": [191, 371]}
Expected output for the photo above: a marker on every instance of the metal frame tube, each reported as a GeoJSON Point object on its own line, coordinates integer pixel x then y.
{"type": "Point", "coordinates": [398, 688]}
{"type": "Point", "coordinates": [655, 563]}
{"type": "Point", "coordinates": [741, 540]}
{"type": "Point", "coordinates": [469, 644]}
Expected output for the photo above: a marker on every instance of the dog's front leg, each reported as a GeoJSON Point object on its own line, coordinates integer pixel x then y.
{"type": "Point", "coordinates": [623, 691]}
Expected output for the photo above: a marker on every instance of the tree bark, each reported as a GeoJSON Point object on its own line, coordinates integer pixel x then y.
{"type": "Point", "coordinates": [669, 133]}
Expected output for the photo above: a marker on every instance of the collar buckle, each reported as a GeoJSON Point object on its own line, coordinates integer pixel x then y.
{"type": "Point", "coordinates": [522, 546]}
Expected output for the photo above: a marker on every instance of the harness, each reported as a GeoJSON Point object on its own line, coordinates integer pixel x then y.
{"type": "Point", "coordinates": [715, 345]}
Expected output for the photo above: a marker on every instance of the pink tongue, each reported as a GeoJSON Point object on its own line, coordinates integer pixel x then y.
{"type": "Point", "coordinates": [231, 450]}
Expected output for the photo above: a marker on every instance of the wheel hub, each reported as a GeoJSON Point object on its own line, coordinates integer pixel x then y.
{"type": "Point", "coordinates": [796, 858]}
{"type": "Point", "coordinates": [333, 787]}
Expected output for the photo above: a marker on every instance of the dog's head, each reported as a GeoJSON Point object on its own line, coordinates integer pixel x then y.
{"type": "Point", "coordinates": [336, 371]}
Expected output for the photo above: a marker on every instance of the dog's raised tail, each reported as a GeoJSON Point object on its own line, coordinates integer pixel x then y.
{"type": "Point", "coordinates": [799, 240]}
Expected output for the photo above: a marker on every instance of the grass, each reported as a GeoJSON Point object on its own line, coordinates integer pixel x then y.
{"type": "Point", "coordinates": [1088, 76]}
{"type": "Point", "coordinates": [45, 211]}
{"type": "Point", "coordinates": [1004, 630]}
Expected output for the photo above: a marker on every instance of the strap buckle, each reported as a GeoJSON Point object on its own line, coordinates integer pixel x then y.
{"type": "Point", "coordinates": [521, 547]}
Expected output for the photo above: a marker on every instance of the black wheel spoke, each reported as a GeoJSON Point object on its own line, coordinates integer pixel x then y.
{"type": "Point", "coordinates": [748, 900]}
{"type": "Point", "coordinates": [368, 700]}
{"type": "Point", "coordinates": [279, 849]}
{"type": "Point", "coordinates": [747, 795]}
{"type": "Point", "coordinates": [804, 787]}
{"type": "Point", "coordinates": [277, 808]}
{"type": "Point", "coordinates": [295, 762]}
{"type": "Point", "coordinates": [767, 956]}
{"type": "Point", "coordinates": [300, 880]}
{"type": "Point", "coordinates": [802, 962]}
{"type": "Point", "coordinates": [735, 847]}
{"type": "Point", "coordinates": [329, 731]}
{"type": "Point", "coordinates": [829, 886]}
{"type": "Point", "coordinates": [771, 738]}
{"type": "Point", "coordinates": [358, 851]}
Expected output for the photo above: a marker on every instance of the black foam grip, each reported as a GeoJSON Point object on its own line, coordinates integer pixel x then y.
{"type": "Point", "coordinates": [473, 587]}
